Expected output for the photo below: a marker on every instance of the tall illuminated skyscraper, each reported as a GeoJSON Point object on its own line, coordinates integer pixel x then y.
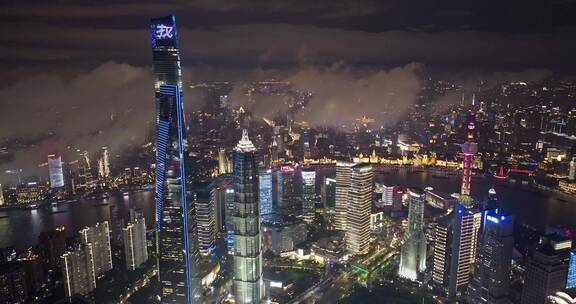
{"type": "Point", "coordinates": [309, 194]}
{"type": "Point", "coordinates": [98, 237]}
{"type": "Point", "coordinates": [55, 170]}
{"type": "Point", "coordinates": [265, 179]}
{"type": "Point", "coordinates": [78, 274]}
{"type": "Point", "coordinates": [359, 208]}
{"type": "Point", "coordinates": [491, 278]}
{"type": "Point", "coordinates": [205, 218]}
{"type": "Point", "coordinates": [413, 255]}
{"type": "Point", "coordinates": [247, 254]}
{"type": "Point", "coordinates": [177, 244]}
{"type": "Point", "coordinates": [343, 174]}
{"type": "Point", "coordinates": [571, 280]}
{"type": "Point", "coordinates": [1, 196]}
{"type": "Point", "coordinates": [135, 250]}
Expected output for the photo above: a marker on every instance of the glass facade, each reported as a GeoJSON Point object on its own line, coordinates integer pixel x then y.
{"type": "Point", "coordinates": [247, 253]}
{"type": "Point", "coordinates": [176, 238]}
{"type": "Point", "coordinates": [413, 255]}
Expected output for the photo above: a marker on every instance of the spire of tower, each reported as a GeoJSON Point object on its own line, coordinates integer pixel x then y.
{"type": "Point", "coordinates": [245, 144]}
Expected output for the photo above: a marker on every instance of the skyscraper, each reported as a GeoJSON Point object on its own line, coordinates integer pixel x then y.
{"type": "Point", "coordinates": [443, 233]}
{"type": "Point", "coordinates": [135, 250]}
{"type": "Point", "coordinates": [98, 237]}
{"type": "Point", "coordinates": [359, 208]}
{"type": "Point", "coordinates": [571, 279]}
{"type": "Point", "coordinates": [247, 254]}
{"type": "Point", "coordinates": [104, 164]}
{"type": "Point", "coordinates": [328, 193]}
{"type": "Point", "coordinates": [205, 218]}
{"type": "Point", "coordinates": [176, 240]}
{"type": "Point", "coordinates": [546, 270]}
{"type": "Point", "coordinates": [343, 174]}
{"type": "Point", "coordinates": [222, 162]}
{"type": "Point", "coordinates": [55, 171]}
{"type": "Point", "coordinates": [467, 223]}
{"type": "Point", "coordinates": [1, 196]}
{"type": "Point", "coordinates": [265, 184]}
{"type": "Point", "coordinates": [309, 194]}
{"type": "Point", "coordinates": [78, 270]}
{"type": "Point", "coordinates": [491, 278]}
{"type": "Point", "coordinates": [413, 255]}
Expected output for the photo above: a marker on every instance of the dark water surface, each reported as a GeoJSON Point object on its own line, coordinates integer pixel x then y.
{"type": "Point", "coordinates": [20, 228]}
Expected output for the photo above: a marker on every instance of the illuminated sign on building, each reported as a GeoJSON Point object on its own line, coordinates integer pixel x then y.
{"type": "Point", "coordinates": [163, 33]}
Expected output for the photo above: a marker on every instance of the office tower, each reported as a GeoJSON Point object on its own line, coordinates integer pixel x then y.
{"type": "Point", "coordinates": [13, 287]}
{"type": "Point", "coordinates": [223, 192]}
{"type": "Point", "coordinates": [388, 195]}
{"type": "Point", "coordinates": [467, 223]}
{"type": "Point", "coordinates": [571, 279]}
{"type": "Point", "coordinates": [572, 170]}
{"type": "Point", "coordinates": [309, 194]}
{"type": "Point", "coordinates": [359, 208]}
{"type": "Point", "coordinates": [52, 246]}
{"type": "Point", "coordinates": [222, 162]}
{"type": "Point", "coordinates": [274, 151]}
{"type": "Point", "coordinates": [413, 254]}
{"type": "Point", "coordinates": [2, 202]}
{"type": "Point", "coordinates": [328, 193]}
{"type": "Point", "coordinates": [205, 218]}
{"type": "Point", "coordinates": [176, 239]}
{"type": "Point", "coordinates": [265, 184]}
{"type": "Point", "coordinates": [247, 255]}
{"type": "Point", "coordinates": [343, 174]}
{"type": "Point", "coordinates": [285, 192]}
{"type": "Point", "coordinates": [104, 164]}
{"type": "Point", "coordinates": [85, 180]}
{"type": "Point", "coordinates": [99, 237]}
{"type": "Point", "coordinates": [135, 249]}
{"type": "Point", "coordinates": [491, 278]}
{"type": "Point", "coordinates": [546, 270]}
{"type": "Point", "coordinates": [78, 270]}
{"type": "Point", "coordinates": [55, 171]}
{"type": "Point", "coordinates": [443, 234]}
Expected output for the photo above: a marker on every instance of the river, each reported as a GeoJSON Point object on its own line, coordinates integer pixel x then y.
{"type": "Point", "coordinates": [20, 228]}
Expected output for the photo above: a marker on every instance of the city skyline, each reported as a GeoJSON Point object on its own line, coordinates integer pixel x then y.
{"type": "Point", "coordinates": [287, 152]}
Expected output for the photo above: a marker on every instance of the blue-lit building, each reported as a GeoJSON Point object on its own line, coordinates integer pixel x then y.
{"type": "Point", "coordinates": [571, 281]}
{"type": "Point", "coordinates": [491, 279]}
{"type": "Point", "coordinates": [265, 177]}
{"type": "Point", "coordinates": [177, 244]}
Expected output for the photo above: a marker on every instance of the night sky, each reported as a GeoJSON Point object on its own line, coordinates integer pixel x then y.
{"type": "Point", "coordinates": [77, 73]}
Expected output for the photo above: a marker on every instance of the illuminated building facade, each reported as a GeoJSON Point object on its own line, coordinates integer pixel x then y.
{"type": "Point", "coordinates": [135, 250]}
{"type": "Point", "coordinates": [265, 184]}
{"type": "Point", "coordinates": [413, 255]}
{"type": "Point", "coordinates": [309, 194]}
{"type": "Point", "coordinates": [328, 194]}
{"type": "Point", "coordinates": [177, 244]}
{"type": "Point", "coordinates": [359, 209]}
{"type": "Point", "coordinates": [78, 271]}
{"type": "Point", "coordinates": [546, 270]}
{"type": "Point", "coordinates": [571, 280]}
{"type": "Point", "coordinates": [247, 253]}
{"type": "Point", "coordinates": [467, 223]}
{"type": "Point", "coordinates": [469, 148]}
{"type": "Point", "coordinates": [491, 278]}
{"type": "Point", "coordinates": [55, 171]}
{"type": "Point", "coordinates": [343, 176]}
{"type": "Point", "coordinates": [98, 237]}
{"type": "Point", "coordinates": [2, 202]}
{"type": "Point", "coordinates": [205, 218]}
